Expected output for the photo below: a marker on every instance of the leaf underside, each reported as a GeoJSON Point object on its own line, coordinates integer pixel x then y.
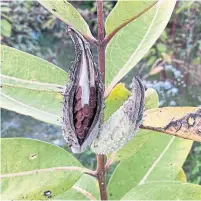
{"type": "Point", "coordinates": [165, 191]}
{"type": "Point", "coordinates": [125, 50]}
{"type": "Point", "coordinates": [68, 14]}
{"type": "Point", "coordinates": [20, 155]}
{"type": "Point", "coordinates": [31, 86]}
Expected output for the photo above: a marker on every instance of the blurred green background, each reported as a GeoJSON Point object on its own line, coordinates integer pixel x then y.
{"type": "Point", "coordinates": [172, 66]}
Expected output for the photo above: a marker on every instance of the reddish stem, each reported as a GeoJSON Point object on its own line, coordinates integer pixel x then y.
{"type": "Point", "coordinates": [101, 176]}
{"type": "Point", "coordinates": [101, 35]}
{"type": "Point", "coordinates": [100, 170]}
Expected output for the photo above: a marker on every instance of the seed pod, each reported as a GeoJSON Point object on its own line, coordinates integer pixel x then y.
{"type": "Point", "coordinates": [83, 98]}
{"type": "Point", "coordinates": [123, 124]}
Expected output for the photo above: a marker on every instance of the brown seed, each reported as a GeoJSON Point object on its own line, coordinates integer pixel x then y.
{"type": "Point", "coordinates": [78, 124]}
{"type": "Point", "coordinates": [92, 103]}
{"type": "Point", "coordinates": [78, 106]}
{"type": "Point", "coordinates": [79, 116]}
{"type": "Point", "coordinates": [86, 110]}
{"type": "Point", "coordinates": [85, 122]}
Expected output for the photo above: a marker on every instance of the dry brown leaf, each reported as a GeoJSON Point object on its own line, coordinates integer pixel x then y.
{"type": "Point", "coordinates": [184, 122]}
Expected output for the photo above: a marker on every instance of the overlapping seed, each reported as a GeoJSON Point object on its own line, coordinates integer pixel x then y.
{"type": "Point", "coordinates": [83, 116]}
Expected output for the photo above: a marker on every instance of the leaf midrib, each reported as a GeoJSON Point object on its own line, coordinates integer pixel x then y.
{"type": "Point", "coordinates": [28, 106]}
{"type": "Point", "coordinates": [116, 78]}
{"type": "Point", "coordinates": [156, 161]}
{"type": "Point", "coordinates": [34, 85]}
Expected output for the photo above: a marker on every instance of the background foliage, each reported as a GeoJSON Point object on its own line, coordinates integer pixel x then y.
{"type": "Point", "coordinates": [29, 27]}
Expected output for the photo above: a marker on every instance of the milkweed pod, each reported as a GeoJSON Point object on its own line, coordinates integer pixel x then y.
{"type": "Point", "coordinates": [123, 124]}
{"type": "Point", "coordinates": [83, 98]}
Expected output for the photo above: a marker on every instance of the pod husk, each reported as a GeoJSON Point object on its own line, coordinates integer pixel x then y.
{"type": "Point", "coordinates": [68, 104]}
{"type": "Point", "coordinates": [123, 124]}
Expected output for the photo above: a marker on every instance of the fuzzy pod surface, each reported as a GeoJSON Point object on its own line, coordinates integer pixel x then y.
{"type": "Point", "coordinates": [83, 98]}
{"type": "Point", "coordinates": [123, 124]}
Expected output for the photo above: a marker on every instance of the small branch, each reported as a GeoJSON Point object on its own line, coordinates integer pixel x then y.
{"type": "Point", "coordinates": [113, 33]}
{"type": "Point", "coordinates": [84, 192]}
{"type": "Point", "coordinates": [91, 173]}
{"type": "Point", "coordinates": [93, 40]}
{"type": "Point", "coordinates": [32, 172]}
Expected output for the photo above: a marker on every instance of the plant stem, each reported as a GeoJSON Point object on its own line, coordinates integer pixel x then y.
{"type": "Point", "coordinates": [101, 35]}
{"type": "Point", "coordinates": [100, 170]}
{"type": "Point", "coordinates": [101, 176]}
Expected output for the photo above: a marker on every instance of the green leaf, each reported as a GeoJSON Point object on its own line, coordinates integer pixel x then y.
{"type": "Point", "coordinates": [161, 48]}
{"type": "Point", "coordinates": [26, 69]}
{"type": "Point", "coordinates": [6, 28]}
{"type": "Point", "coordinates": [159, 158]}
{"type": "Point", "coordinates": [134, 40]}
{"type": "Point", "coordinates": [31, 86]}
{"type": "Point", "coordinates": [115, 100]}
{"type": "Point", "coordinates": [41, 105]}
{"type": "Point", "coordinates": [123, 12]}
{"type": "Point", "coordinates": [151, 99]}
{"type": "Point", "coordinates": [86, 188]}
{"type": "Point", "coordinates": [68, 14]}
{"type": "Point", "coordinates": [181, 176]}
{"type": "Point", "coordinates": [20, 155]}
{"type": "Point", "coordinates": [165, 191]}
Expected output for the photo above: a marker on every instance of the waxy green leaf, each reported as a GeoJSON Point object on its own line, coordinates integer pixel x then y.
{"type": "Point", "coordinates": [133, 41]}
{"type": "Point", "coordinates": [86, 188]}
{"type": "Point", "coordinates": [31, 86]}
{"type": "Point", "coordinates": [151, 99]}
{"type": "Point", "coordinates": [125, 11]}
{"type": "Point", "coordinates": [159, 157]}
{"type": "Point", "coordinates": [115, 100]}
{"type": "Point", "coordinates": [68, 14]}
{"type": "Point", "coordinates": [164, 191]}
{"type": "Point", "coordinates": [6, 28]}
{"type": "Point", "coordinates": [22, 155]}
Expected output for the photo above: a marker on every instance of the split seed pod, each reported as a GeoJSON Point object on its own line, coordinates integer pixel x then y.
{"type": "Point", "coordinates": [124, 123]}
{"type": "Point", "coordinates": [83, 98]}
